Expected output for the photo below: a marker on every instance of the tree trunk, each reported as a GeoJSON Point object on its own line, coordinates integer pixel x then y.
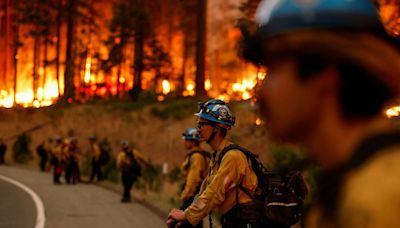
{"type": "Point", "coordinates": [69, 90]}
{"type": "Point", "coordinates": [6, 46]}
{"type": "Point", "coordinates": [138, 63]}
{"type": "Point", "coordinates": [184, 61]}
{"type": "Point", "coordinates": [58, 46]}
{"type": "Point", "coordinates": [15, 55]}
{"type": "Point", "coordinates": [36, 55]}
{"type": "Point", "coordinates": [118, 79]}
{"type": "Point", "coordinates": [45, 60]}
{"type": "Point", "coordinates": [201, 48]}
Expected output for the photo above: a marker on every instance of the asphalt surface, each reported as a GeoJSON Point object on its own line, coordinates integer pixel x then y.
{"type": "Point", "coordinates": [67, 206]}
{"type": "Point", "coordinates": [17, 209]}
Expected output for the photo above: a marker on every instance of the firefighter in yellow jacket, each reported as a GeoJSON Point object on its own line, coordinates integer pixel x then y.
{"type": "Point", "coordinates": [57, 159]}
{"type": "Point", "coordinates": [129, 162]}
{"type": "Point", "coordinates": [220, 191]}
{"type": "Point", "coordinates": [95, 153]}
{"type": "Point", "coordinates": [194, 168]}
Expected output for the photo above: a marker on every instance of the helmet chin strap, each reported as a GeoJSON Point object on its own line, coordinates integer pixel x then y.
{"type": "Point", "coordinates": [215, 130]}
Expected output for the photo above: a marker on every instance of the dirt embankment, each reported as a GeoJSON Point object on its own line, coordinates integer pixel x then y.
{"type": "Point", "coordinates": [159, 138]}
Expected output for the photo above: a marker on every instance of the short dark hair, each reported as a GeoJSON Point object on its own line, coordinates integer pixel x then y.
{"type": "Point", "coordinates": [362, 94]}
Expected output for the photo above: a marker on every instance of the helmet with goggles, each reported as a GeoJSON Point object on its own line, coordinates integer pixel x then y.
{"type": "Point", "coordinates": [216, 111]}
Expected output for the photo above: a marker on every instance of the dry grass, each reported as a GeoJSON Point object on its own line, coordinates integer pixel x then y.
{"type": "Point", "coordinates": [158, 138]}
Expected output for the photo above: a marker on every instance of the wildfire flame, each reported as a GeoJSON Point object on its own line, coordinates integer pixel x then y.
{"type": "Point", "coordinates": [393, 112]}
{"type": "Point", "coordinates": [258, 121]}
{"type": "Point", "coordinates": [166, 87]}
{"type": "Point", "coordinates": [189, 90]}
{"type": "Point", "coordinates": [87, 69]}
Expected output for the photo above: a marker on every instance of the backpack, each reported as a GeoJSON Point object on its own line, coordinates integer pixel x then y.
{"type": "Point", "coordinates": [282, 196]}
{"type": "Point", "coordinates": [134, 167]}
{"type": "Point", "coordinates": [104, 157]}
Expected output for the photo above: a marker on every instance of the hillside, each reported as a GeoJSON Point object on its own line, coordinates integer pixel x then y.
{"type": "Point", "coordinates": [154, 128]}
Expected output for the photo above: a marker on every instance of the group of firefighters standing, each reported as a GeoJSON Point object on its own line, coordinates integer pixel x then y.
{"type": "Point", "coordinates": [64, 156]}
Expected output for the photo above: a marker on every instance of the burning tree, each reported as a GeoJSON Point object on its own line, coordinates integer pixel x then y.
{"type": "Point", "coordinates": [147, 45]}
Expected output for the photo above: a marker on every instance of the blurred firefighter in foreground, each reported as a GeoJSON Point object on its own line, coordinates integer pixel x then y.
{"type": "Point", "coordinates": [331, 71]}
{"type": "Point", "coordinates": [3, 149]}
{"type": "Point", "coordinates": [95, 154]}
{"type": "Point", "coordinates": [194, 167]}
{"type": "Point", "coordinates": [220, 190]}
{"type": "Point", "coordinates": [130, 163]}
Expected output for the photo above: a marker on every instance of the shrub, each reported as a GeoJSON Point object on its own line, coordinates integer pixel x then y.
{"type": "Point", "coordinates": [174, 175]}
{"type": "Point", "coordinates": [86, 165]}
{"type": "Point", "coordinates": [21, 152]}
{"type": "Point", "coordinates": [151, 178]}
{"type": "Point", "coordinates": [110, 171]}
{"type": "Point", "coordinates": [176, 109]}
{"type": "Point", "coordinates": [287, 159]}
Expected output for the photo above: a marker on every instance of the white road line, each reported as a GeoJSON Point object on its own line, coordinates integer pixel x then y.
{"type": "Point", "coordinates": [40, 218]}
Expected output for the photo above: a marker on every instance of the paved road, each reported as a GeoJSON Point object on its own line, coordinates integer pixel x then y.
{"type": "Point", "coordinates": [17, 209]}
{"type": "Point", "coordinates": [69, 206]}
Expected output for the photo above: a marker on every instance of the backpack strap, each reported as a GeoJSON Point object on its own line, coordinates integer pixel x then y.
{"type": "Point", "coordinates": [253, 161]}
{"type": "Point", "coordinates": [227, 149]}
{"type": "Point", "coordinates": [202, 152]}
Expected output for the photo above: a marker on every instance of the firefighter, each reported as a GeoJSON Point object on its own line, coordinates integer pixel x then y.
{"type": "Point", "coordinates": [130, 163]}
{"type": "Point", "coordinates": [95, 154]}
{"type": "Point", "coordinates": [332, 69]}
{"type": "Point", "coordinates": [194, 167]}
{"type": "Point", "coordinates": [220, 190]}
{"type": "Point", "coordinates": [44, 152]}
{"type": "Point", "coordinates": [73, 154]}
{"type": "Point", "coordinates": [57, 159]}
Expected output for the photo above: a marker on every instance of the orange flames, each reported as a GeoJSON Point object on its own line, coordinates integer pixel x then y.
{"type": "Point", "coordinates": [46, 96]}
{"type": "Point", "coordinates": [393, 112]}
{"type": "Point", "coordinates": [91, 81]}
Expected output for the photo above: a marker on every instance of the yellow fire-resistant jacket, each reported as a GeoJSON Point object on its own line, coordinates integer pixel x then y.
{"type": "Point", "coordinates": [195, 169]}
{"type": "Point", "coordinates": [95, 151]}
{"type": "Point", "coordinates": [218, 191]}
{"type": "Point", "coordinates": [123, 161]}
{"type": "Point", "coordinates": [58, 151]}
{"type": "Point", "coordinates": [48, 146]}
{"type": "Point", "coordinates": [370, 196]}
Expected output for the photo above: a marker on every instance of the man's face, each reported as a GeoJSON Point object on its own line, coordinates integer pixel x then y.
{"type": "Point", "coordinates": [188, 144]}
{"type": "Point", "coordinates": [204, 128]}
{"type": "Point", "coordinates": [287, 103]}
